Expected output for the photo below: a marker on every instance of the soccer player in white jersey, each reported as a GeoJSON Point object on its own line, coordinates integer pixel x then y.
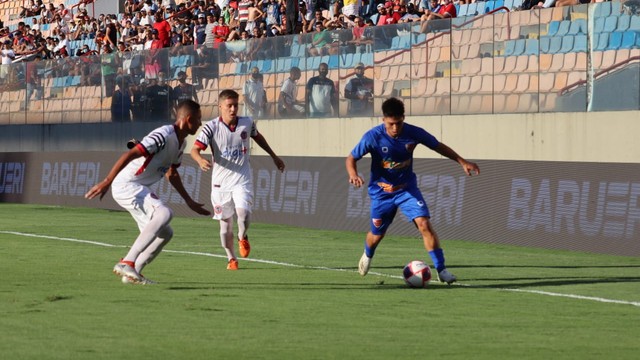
{"type": "Point", "coordinates": [158, 154]}
{"type": "Point", "coordinates": [231, 185]}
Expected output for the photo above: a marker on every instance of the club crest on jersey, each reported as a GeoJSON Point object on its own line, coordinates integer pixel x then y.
{"type": "Point", "coordinates": [243, 135]}
{"type": "Point", "coordinates": [410, 147]}
{"type": "Point", "coordinates": [420, 203]}
{"type": "Point", "coordinates": [217, 209]}
{"type": "Point", "coordinates": [376, 222]}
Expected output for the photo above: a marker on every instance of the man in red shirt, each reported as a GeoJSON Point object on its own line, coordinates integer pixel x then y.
{"type": "Point", "coordinates": [163, 28]}
{"type": "Point", "coordinates": [220, 32]}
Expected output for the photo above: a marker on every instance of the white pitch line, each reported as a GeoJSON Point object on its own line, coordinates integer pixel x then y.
{"type": "Point", "coordinates": [539, 292]}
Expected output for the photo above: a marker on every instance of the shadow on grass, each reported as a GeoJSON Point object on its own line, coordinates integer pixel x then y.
{"type": "Point", "coordinates": [379, 285]}
{"type": "Point", "coordinates": [537, 282]}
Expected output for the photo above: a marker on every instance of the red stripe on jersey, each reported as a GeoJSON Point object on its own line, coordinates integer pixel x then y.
{"type": "Point", "coordinates": [142, 149]}
{"type": "Point", "coordinates": [147, 160]}
{"type": "Point", "coordinates": [200, 145]}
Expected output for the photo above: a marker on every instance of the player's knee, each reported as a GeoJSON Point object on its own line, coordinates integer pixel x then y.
{"type": "Point", "coordinates": [163, 214]}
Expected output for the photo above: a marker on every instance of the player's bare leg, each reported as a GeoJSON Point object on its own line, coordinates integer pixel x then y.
{"type": "Point", "coordinates": [432, 244]}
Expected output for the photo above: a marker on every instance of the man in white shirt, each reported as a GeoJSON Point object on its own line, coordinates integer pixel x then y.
{"type": "Point", "coordinates": [231, 185]}
{"type": "Point", "coordinates": [158, 154]}
{"type": "Point", "coordinates": [254, 95]}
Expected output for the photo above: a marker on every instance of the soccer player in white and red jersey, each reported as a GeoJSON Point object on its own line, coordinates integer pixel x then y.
{"type": "Point", "coordinates": [231, 184]}
{"type": "Point", "coordinates": [158, 154]}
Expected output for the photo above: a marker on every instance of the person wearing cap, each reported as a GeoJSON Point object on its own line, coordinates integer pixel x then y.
{"type": "Point", "coordinates": [184, 90]}
{"type": "Point", "coordinates": [199, 30]}
{"type": "Point", "coordinates": [359, 91]}
{"type": "Point", "coordinates": [254, 95]}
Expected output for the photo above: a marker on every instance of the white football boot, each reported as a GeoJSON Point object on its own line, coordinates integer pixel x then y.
{"type": "Point", "coordinates": [124, 270]}
{"type": "Point", "coordinates": [364, 264]}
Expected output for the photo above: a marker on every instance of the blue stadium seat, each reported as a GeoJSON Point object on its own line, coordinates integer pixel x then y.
{"type": "Point", "coordinates": [552, 28]}
{"type": "Point", "coordinates": [635, 23]}
{"type": "Point", "coordinates": [508, 4]}
{"type": "Point", "coordinates": [472, 9]}
{"type": "Point", "coordinates": [598, 25]}
{"type": "Point", "coordinates": [545, 44]}
{"type": "Point", "coordinates": [567, 43]}
{"type": "Point", "coordinates": [610, 24]}
{"type": "Point", "coordinates": [578, 26]}
{"type": "Point", "coordinates": [580, 43]}
{"type": "Point", "coordinates": [532, 47]}
{"type": "Point", "coordinates": [601, 41]}
{"type": "Point", "coordinates": [334, 62]}
{"type": "Point", "coordinates": [629, 40]}
{"type": "Point", "coordinates": [624, 21]}
{"type": "Point", "coordinates": [464, 8]}
{"type": "Point", "coordinates": [563, 28]}
{"type": "Point", "coordinates": [555, 44]}
{"type": "Point", "coordinates": [602, 9]}
{"type": "Point", "coordinates": [615, 40]}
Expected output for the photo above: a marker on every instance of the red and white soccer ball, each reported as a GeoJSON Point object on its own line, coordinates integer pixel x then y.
{"type": "Point", "coordinates": [417, 274]}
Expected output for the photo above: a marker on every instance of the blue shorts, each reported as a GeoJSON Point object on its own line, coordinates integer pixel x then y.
{"type": "Point", "coordinates": [384, 207]}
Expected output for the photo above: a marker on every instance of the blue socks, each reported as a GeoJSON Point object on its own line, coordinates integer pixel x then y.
{"type": "Point", "coordinates": [369, 251]}
{"type": "Point", "coordinates": [437, 256]}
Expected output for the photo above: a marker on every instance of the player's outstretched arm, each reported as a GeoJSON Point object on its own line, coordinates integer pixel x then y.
{"type": "Point", "coordinates": [174, 178]}
{"type": "Point", "coordinates": [262, 142]}
{"type": "Point", "coordinates": [470, 168]}
{"type": "Point", "coordinates": [352, 169]}
{"type": "Point", "coordinates": [102, 187]}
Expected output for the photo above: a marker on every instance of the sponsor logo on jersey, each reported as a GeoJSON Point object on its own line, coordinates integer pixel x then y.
{"type": "Point", "coordinates": [393, 165]}
{"type": "Point", "coordinates": [243, 135]}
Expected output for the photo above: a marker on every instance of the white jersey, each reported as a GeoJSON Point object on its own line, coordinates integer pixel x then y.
{"type": "Point", "coordinates": [161, 150]}
{"type": "Point", "coordinates": [230, 150]}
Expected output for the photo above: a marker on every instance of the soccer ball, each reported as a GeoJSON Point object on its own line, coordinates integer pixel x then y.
{"type": "Point", "coordinates": [417, 274]}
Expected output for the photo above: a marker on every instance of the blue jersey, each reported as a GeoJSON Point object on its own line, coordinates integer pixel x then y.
{"type": "Point", "coordinates": [392, 159]}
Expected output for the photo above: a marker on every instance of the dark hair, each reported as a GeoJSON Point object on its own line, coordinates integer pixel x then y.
{"type": "Point", "coordinates": [393, 107]}
{"type": "Point", "coordinates": [228, 94]}
{"type": "Point", "coordinates": [189, 106]}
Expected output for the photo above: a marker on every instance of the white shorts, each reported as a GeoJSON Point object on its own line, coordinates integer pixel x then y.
{"type": "Point", "coordinates": [225, 202]}
{"type": "Point", "coordinates": [138, 200]}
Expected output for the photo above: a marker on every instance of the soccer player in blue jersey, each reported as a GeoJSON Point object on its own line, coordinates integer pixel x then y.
{"type": "Point", "coordinates": [393, 183]}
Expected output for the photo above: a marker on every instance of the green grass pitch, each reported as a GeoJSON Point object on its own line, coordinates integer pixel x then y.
{"type": "Point", "coordinates": [299, 296]}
